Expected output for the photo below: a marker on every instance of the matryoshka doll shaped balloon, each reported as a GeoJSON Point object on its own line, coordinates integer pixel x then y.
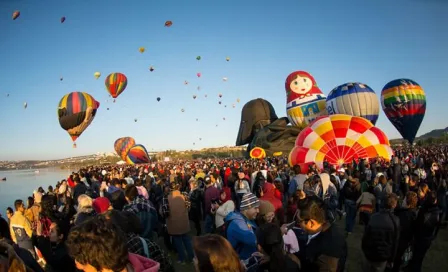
{"type": "Point", "coordinates": [304, 100]}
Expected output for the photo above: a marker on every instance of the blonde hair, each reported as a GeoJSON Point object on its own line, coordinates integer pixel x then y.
{"type": "Point", "coordinates": [84, 201]}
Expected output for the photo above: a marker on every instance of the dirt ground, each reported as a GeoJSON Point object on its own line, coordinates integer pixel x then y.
{"type": "Point", "coordinates": [435, 260]}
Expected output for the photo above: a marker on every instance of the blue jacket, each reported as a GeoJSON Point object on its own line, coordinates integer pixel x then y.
{"type": "Point", "coordinates": [241, 234]}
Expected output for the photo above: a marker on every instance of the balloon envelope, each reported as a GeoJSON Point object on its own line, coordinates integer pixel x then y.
{"type": "Point", "coordinates": [123, 145]}
{"type": "Point", "coordinates": [339, 139]}
{"type": "Point", "coordinates": [137, 154]}
{"type": "Point", "coordinates": [97, 75]}
{"type": "Point", "coordinates": [76, 111]}
{"type": "Point", "coordinates": [116, 83]}
{"type": "Point", "coordinates": [15, 14]}
{"type": "Point", "coordinates": [404, 103]}
{"type": "Point", "coordinates": [355, 99]}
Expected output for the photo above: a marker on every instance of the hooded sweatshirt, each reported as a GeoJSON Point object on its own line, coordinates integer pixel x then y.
{"type": "Point", "coordinates": [142, 264]}
{"type": "Point", "coordinates": [241, 234]}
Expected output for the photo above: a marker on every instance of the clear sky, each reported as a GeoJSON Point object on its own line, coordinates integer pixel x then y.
{"type": "Point", "coordinates": [336, 41]}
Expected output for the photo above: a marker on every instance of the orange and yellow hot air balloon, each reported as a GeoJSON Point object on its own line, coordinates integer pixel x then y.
{"type": "Point", "coordinates": [257, 153]}
{"type": "Point", "coordinates": [116, 83]}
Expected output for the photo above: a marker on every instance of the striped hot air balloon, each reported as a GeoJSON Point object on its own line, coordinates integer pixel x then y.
{"type": "Point", "coordinates": [123, 145]}
{"type": "Point", "coordinates": [356, 99]}
{"type": "Point", "coordinates": [137, 154]}
{"type": "Point", "coordinates": [404, 103]}
{"type": "Point", "coordinates": [76, 111]}
{"type": "Point", "coordinates": [116, 84]}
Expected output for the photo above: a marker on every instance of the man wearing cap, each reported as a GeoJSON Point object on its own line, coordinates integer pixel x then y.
{"type": "Point", "coordinates": [240, 231]}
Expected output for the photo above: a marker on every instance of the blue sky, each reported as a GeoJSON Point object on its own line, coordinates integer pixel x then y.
{"type": "Point", "coordinates": [336, 41]}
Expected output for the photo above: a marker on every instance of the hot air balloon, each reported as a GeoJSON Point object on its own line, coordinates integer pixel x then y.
{"type": "Point", "coordinates": [200, 139]}
{"type": "Point", "coordinates": [116, 83]}
{"type": "Point", "coordinates": [61, 78]}
{"type": "Point", "coordinates": [339, 139]}
{"type": "Point", "coordinates": [15, 14]}
{"type": "Point", "coordinates": [107, 108]}
{"type": "Point", "coordinates": [185, 82]}
{"type": "Point", "coordinates": [76, 111]}
{"type": "Point", "coordinates": [355, 99]}
{"type": "Point", "coordinates": [198, 57]}
{"type": "Point", "coordinates": [182, 110]}
{"type": "Point", "coordinates": [238, 100]}
{"type": "Point", "coordinates": [97, 75]}
{"type": "Point", "coordinates": [224, 79]}
{"type": "Point", "coordinates": [168, 23]}
{"type": "Point", "coordinates": [141, 49]}
{"type": "Point", "coordinates": [219, 102]}
{"type": "Point", "coordinates": [151, 69]}
{"type": "Point", "coordinates": [404, 103]}
{"type": "Point", "coordinates": [137, 154]}
{"type": "Point", "coordinates": [194, 96]}
{"type": "Point", "coordinates": [233, 105]}
{"type": "Point", "coordinates": [220, 95]}
{"type": "Point", "coordinates": [123, 145]}
{"type": "Point", "coordinates": [197, 119]}
{"type": "Point", "coordinates": [304, 100]}
{"type": "Point", "coordinates": [25, 105]}
{"type": "Point", "coordinates": [257, 153]}
{"type": "Point", "coordinates": [198, 88]}
{"type": "Point", "coordinates": [205, 95]}
{"type": "Point", "coordinates": [224, 118]}
{"type": "Point", "coordinates": [62, 20]}
{"type": "Point", "coordinates": [228, 58]}
{"type": "Point", "coordinates": [158, 99]}
{"type": "Point", "coordinates": [135, 120]}
{"type": "Point", "coordinates": [198, 74]}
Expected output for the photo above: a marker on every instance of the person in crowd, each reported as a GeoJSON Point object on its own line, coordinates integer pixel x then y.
{"type": "Point", "coordinates": [270, 239]}
{"type": "Point", "coordinates": [381, 237]}
{"type": "Point", "coordinates": [240, 226]}
{"type": "Point", "coordinates": [426, 228]}
{"type": "Point", "coordinates": [407, 215]}
{"type": "Point", "coordinates": [268, 195]}
{"type": "Point", "coordinates": [144, 210]}
{"type": "Point", "coordinates": [85, 210]}
{"type": "Point", "coordinates": [226, 206]}
{"type": "Point", "coordinates": [115, 194]}
{"type": "Point", "coordinates": [326, 248]}
{"type": "Point", "coordinates": [210, 193]}
{"type": "Point", "coordinates": [9, 213]}
{"type": "Point", "coordinates": [131, 226]}
{"type": "Point", "coordinates": [197, 199]}
{"type": "Point", "coordinates": [23, 254]}
{"type": "Point", "coordinates": [141, 189]}
{"type": "Point", "coordinates": [53, 248]}
{"type": "Point", "coordinates": [90, 245]}
{"type": "Point", "coordinates": [266, 214]}
{"type": "Point", "coordinates": [215, 254]}
{"type": "Point", "coordinates": [101, 205]}
{"type": "Point", "coordinates": [80, 189]}
{"type": "Point", "coordinates": [33, 213]}
{"type": "Point", "coordinates": [241, 186]}
{"type": "Point", "coordinates": [20, 228]}
{"type": "Point", "coordinates": [175, 208]}
{"type": "Point", "coordinates": [366, 205]}
{"type": "Point", "coordinates": [351, 191]}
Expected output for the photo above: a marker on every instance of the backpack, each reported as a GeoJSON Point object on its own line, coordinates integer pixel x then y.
{"type": "Point", "coordinates": [331, 203]}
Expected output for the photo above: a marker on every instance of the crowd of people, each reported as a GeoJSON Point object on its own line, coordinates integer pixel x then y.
{"type": "Point", "coordinates": [247, 215]}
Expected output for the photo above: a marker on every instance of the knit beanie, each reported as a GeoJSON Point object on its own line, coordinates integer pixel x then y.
{"type": "Point", "coordinates": [249, 201]}
{"type": "Point", "coordinates": [266, 207]}
{"type": "Point", "coordinates": [101, 204]}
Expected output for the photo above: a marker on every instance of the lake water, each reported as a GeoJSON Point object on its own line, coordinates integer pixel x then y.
{"type": "Point", "coordinates": [21, 183]}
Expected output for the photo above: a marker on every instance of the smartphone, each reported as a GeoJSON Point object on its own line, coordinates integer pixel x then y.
{"type": "Point", "coordinates": [252, 263]}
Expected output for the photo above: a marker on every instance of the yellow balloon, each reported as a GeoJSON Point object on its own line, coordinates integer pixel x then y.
{"type": "Point", "coordinates": [141, 49]}
{"type": "Point", "coordinates": [97, 75]}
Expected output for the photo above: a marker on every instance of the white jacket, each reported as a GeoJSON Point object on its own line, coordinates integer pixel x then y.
{"type": "Point", "coordinates": [223, 211]}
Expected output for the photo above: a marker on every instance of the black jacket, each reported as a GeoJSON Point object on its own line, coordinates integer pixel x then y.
{"type": "Point", "coordinates": [326, 252]}
{"type": "Point", "coordinates": [381, 236]}
{"type": "Point", "coordinates": [427, 223]}
{"type": "Point", "coordinates": [79, 189]}
{"type": "Point", "coordinates": [57, 257]}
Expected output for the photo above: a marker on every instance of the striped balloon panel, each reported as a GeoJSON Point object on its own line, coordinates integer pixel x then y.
{"type": "Point", "coordinates": [116, 83]}
{"type": "Point", "coordinates": [137, 154]}
{"type": "Point", "coordinates": [123, 145]}
{"type": "Point", "coordinates": [339, 139]}
{"type": "Point", "coordinates": [303, 114]}
{"type": "Point", "coordinates": [355, 99]}
{"type": "Point", "coordinates": [77, 102]}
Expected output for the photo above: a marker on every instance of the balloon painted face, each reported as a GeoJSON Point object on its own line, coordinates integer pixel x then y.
{"type": "Point", "coordinates": [301, 85]}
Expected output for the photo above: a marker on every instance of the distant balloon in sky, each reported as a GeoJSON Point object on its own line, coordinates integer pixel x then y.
{"type": "Point", "coordinates": [158, 99]}
{"type": "Point", "coordinates": [151, 69]}
{"type": "Point", "coordinates": [224, 79]}
{"type": "Point", "coordinates": [15, 14]}
{"type": "Point", "coordinates": [198, 57]}
{"type": "Point", "coordinates": [182, 110]}
{"type": "Point", "coordinates": [61, 78]}
{"type": "Point", "coordinates": [185, 82]}
{"type": "Point", "coordinates": [220, 95]}
{"type": "Point", "coordinates": [198, 74]}
{"type": "Point", "coordinates": [97, 75]}
{"type": "Point", "coordinates": [25, 105]}
{"type": "Point", "coordinates": [135, 120]}
{"type": "Point", "coordinates": [141, 49]}
{"type": "Point", "coordinates": [168, 23]}
{"type": "Point", "coordinates": [62, 20]}
{"type": "Point", "coordinates": [194, 96]}
{"type": "Point", "coordinates": [228, 58]}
